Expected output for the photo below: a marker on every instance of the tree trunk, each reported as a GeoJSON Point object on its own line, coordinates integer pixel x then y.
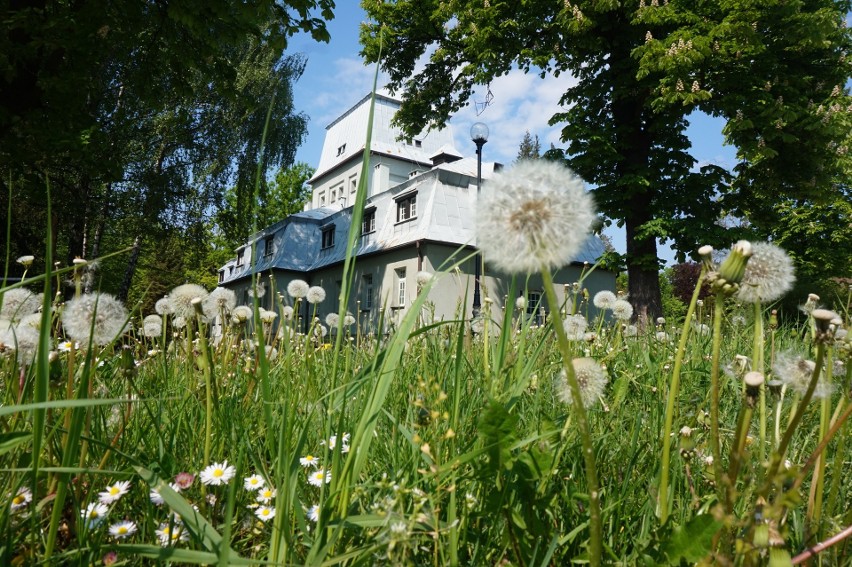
{"type": "Point", "coordinates": [124, 291]}
{"type": "Point", "coordinates": [643, 280]}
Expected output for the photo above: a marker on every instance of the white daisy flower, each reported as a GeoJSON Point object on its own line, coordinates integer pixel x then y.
{"type": "Point", "coordinates": [314, 512]}
{"type": "Point", "coordinates": [157, 498]}
{"type": "Point", "coordinates": [309, 461]}
{"type": "Point", "coordinates": [254, 482]}
{"type": "Point", "coordinates": [21, 499]}
{"type": "Point", "coordinates": [265, 513]}
{"type": "Point", "coordinates": [319, 476]}
{"type": "Point", "coordinates": [122, 529]}
{"type": "Point", "coordinates": [114, 492]}
{"type": "Point", "coordinates": [94, 514]}
{"type": "Point", "coordinates": [218, 474]}
{"type": "Point", "coordinates": [265, 495]}
{"type": "Point", "coordinates": [169, 535]}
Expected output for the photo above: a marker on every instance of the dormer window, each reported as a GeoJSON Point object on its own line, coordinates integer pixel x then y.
{"type": "Point", "coordinates": [341, 150]}
{"type": "Point", "coordinates": [368, 224]}
{"type": "Point", "coordinates": [328, 237]}
{"type": "Point", "coordinates": [418, 144]}
{"type": "Point", "coordinates": [240, 257]}
{"type": "Point", "coordinates": [268, 247]}
{"type": "Point", "coordinates": [406, 208]}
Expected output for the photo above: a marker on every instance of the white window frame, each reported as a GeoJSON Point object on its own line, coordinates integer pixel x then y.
{"type": "Point", "coordinates": [401, 297]}
{"type": "Point", "coordinates": [368, 224]}
{"type": "Point", "coordinates": [406, 208]}
{"type": "Point", "coordinates": [327, 241]}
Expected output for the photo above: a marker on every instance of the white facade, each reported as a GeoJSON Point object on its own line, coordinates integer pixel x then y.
{"type": "Point", "coordinates": [418, 216]}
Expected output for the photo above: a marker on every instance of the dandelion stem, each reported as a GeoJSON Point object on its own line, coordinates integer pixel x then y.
{"type": "Point", "coordinates": [715, 441]}
{"type": "Point", "coordinates": [663, 504]}
{"type": "Point", "coordinates": [595, 523]}
{"type": "Point", "coordinates": [757, 365]}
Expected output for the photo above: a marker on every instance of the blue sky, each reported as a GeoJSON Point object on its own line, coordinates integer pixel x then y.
{"type": "Point", "coordinates": [335, 78]}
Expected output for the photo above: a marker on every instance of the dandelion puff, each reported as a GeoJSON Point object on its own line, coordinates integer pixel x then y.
{"type": "Point", "coordinates": [265, 513]}
{"type": "Point", "coordinates": [122, 530]}
{"type": "Point", "coordinates": [181, 299]}
{"type": "Point", "coordinates": [267, 316]}
{"type": "Point", "coordinates": [18, 303]}
{"type": "Point", "coordinates": [152, 326]}
{"type": "Point", "coordinates": [21, 340]}
{"type": "Point", "coordinates": [33, 321]}
{"type": "Point", "coordinates": [297, 289]}
{"type": "Point", "coordinates": [535, 216]}
{"type": "Point", "coordinates": [796, 372]}
{"type": "Point", "coordinates": [21, 499]}
{"type": "Point", "coordinates": [575, 327]}
{"type": "Point", "coordinates": [242, 313]}
{"type": "Point", "coordinates": [604, 300]}
{"type": "Point", "coordinates": [114, 492]}
{"type": "Point", "coordinates": [253, 482]}
{"type": "Point", "coordinates": [287, 313]}
{"type": "Point", "coordinates": [591, 378]}
{"type": "Point", "coordinates": [94, 514]}
{"type": "Point", "coordinates": [521, 303]}
{"type": "Point", "coordinates": [332, 319]}
{"type": "Point", "coordinates": [622, 310]}
{"type": "Point", "coordinates": [258, 291]}
{"type": "Point", "coordinates": [315, 295]}
{"type": "Point", "coordinates": [218, 474]}
{"type": "Point", "coordinates": [100, 314]}
{"type": "Point", "coordinates": [221, 300]}
{"type": "Point", "coordinates": [422, 278]}
{"type": "Point", "coordinates": [768, 275]}
{"type": "Point", "coordinates": [163, 306]}
{"type": "Point", "coordinates": [631, 331]}
{"type": "Point", "coordinates": [348, 320]}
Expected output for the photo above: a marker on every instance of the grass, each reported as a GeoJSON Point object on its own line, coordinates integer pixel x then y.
{"type": "Point", "coordinates": [454, 453]}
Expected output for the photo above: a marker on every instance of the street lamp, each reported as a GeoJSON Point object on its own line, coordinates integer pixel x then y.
{"type": "Point", "coordinates": [479, 135]}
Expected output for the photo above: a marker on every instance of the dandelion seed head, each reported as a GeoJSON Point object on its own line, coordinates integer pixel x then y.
{"type": "Point", "coordinates": [521, 303]}
{"type": "Point", "coordinates": [287, 313]}
{"type": "Point", "coordinates": [315, 294]}
{"type": "Point", "coordinates": [297, 289]}
{"type": "Point", "coordinates": [622, 310]}
{"type": "Point", "coordinates": [332, 319]}
{"type": "Point", "coordinates": [422, 278]}
{"type": "Point", "coordinates": [536, 215]}
{"type": "Point", "coordinates": [99, 313]}
{"type": "Point", "coordinates": [220, 301]}
{"type": "Point", "coordinates": [268, 316]}
{"type": "Point", "coordinates": [604, 299]}
{"type": "Point", "coordinates": [181, 299]}
{"type": "Point", "coordinates": [257, 291]}
{"type": "Point", "coordinates": [241, 313]}
{"type": "Point", "coordinates": [163, 306]}
{"type": "Point", "coordinates": [768, 275]}
{"type": "Point", "coordinates": [21, 340]}
{"type": "Point", "coordinates": [348, 320]}
{"type": "Point", "coordinates": [794, 370]}
{"type": "Point", "coordinates": [18, 303]}
{"type": "Point", "coordinates": [591, 378]}
{"type": "Point", "coordinates": [575, 327]}
{"type": "Point", "coordinates": [152, 326]}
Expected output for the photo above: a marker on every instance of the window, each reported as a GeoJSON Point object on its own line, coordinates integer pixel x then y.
{"type": "Point", "coordinates": [268, 247]}
{"type": "Point", "coordinates": [333, 195]}
{"type": "Point", "coordinates": [418, 144]}
{"type": "Point", "coordinates": [368, 225]}
{"type": "Point", "coordinates": [368, 291]}
{"type": "Point", "coordinates": [406, 209]}
{"type": "Point", "coordinates": [328, 237]}
{"type": "Point", "coordinates": [400, 287]}
{"type": "Point", "coordinates": [534, 307]}
{"type": "Point", "coordinates": [353, 184]}
{"type": "Point", "coordinates": [322, 199]}
{"type": "Point", "coordinates": [240, 258]}
{"type": "Point", "coordinates": [341, 150]}
{"type": "Point", "coordinates": [221, 276]}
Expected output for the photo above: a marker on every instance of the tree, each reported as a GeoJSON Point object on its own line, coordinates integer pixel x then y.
{"type": "Point", "coordinates": [773, 68]}
{"type": "Point", "coordinates": [286, 195]}
{"type": "Point", "coordinates": [144, 111]}
{"type": "Point", "coordinates": [530, 147]}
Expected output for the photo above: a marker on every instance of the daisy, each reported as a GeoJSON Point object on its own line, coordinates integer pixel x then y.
{"type": "Point", "coordinates": [22, 498]}
{"type": "Point", "coordinates": [217, 474]}
{"type": "Point", "coordinates": [184, 480]}
{"type": "Point", "coordinates": [314, 512]}
{"type": "Point", "coordinates": [155, 496]}
{"type": "Point", "coordinates": [114, 492]}
{"type": "Point", "coordinates": [169, 535]}
{"type": "Point", "coordinates": [536, 215]}
{"type": "Point", "coordinates": [265, 513]}
{"type": "Point", "coordinates": [265, 495]}
{"type": "Point", "coordinates": [332, 443]}
{"type": "Point", "coordinates": [309, 461]}
{"type": "Point", "coordinates": [94, 514]}
{"type": "Point", "coordinates": [254, 482]}
{"type": "Point", "coordinates": [65, 346]}
{"type": "Point", "coordinates": [122, 529]}
{"type": "Point", "coordinates": [319, 476]}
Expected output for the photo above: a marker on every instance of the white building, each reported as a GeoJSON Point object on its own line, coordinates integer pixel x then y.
{"type": "Point", "coordinates": [418, 216]}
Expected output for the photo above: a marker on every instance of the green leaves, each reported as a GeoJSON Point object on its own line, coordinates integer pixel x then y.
{"type": "Point", "coordinates": [693, 541]}
{"type": "Point", "coordinates": [498, 431]}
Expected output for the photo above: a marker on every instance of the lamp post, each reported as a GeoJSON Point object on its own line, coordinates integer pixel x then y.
{"type": "Point", "coordinates": [479, 135]}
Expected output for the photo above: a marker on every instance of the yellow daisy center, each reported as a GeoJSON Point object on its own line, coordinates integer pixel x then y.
{"type": "Point", "coordinates": [113, 490]}
{"type": "Point", "coordinates": [218, 472]}
{"type": "Point", "coordinates": [122, 530]}
{"type": "Point", "coordinates": [309, 458]}
{"type": "Point", "coordinates": [19, 499]}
